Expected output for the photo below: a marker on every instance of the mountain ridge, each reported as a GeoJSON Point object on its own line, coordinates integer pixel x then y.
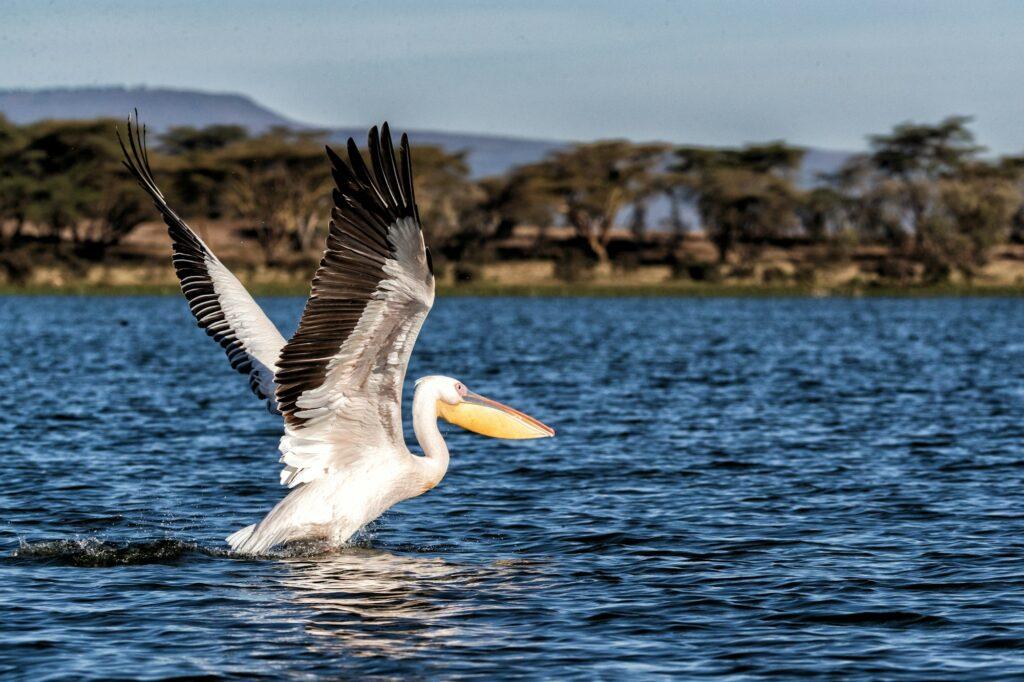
{"type": "Point", "coordinates": [164, 107]}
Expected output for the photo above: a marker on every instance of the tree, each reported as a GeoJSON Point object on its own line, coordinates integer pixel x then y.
{"type": "Point", "coordinates": [682, 182]}
{"type": "Point", "coordinates": [119, 210]}
{"type": "Point", "coordinates": [922, 190]}
{"type": "Point", "coordinates": [499, 205]}
{"type": "Point", "coordinates": [516, 198]}
{"type": "Point", "coordinates": [916, 156]}
{"type": "Point", "coordinates": [67, 178]}
{"type": "Point", "coordinates": [677, 196]}
{"type": "Point", "coordinates": [745, 207]}
{"type": "Point", "coordinates": [444, 193]}
{"type": "Point", "coordinates": [872, 203]}
{"type": "Point", "coordinates": [773, 158]}
{"type": "Point", "coordinates": [16, 183]}
{"type": "Point", "coordinates": [974, 213]}
{"type": "Point", "coordinates": [182, 140]}
{"type": "Point", "coordinates": [822, 212]}
{"type": "Point", "coordinates": [278, 184]}
{"type": "Point", "coordinates": [744, 195]}
{"type": "Point", "coordinates": [592, 183]}
{"type": "Point", "coordinates": [1013, 167]}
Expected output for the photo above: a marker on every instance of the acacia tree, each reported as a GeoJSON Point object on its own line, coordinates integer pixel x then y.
{"type": "Point", "coordinates": [871, 203]}
{"type": "Point", "coordinates": [185, 140]}
{"type": "Point", "coordinates": [974, 213]}
{"type": "Point", "coordinates": [745, 207]}
{"type": "Point", "coordinates": [677, 197]}
{"type": "Point", "coordinates": [516, 198]}
{"type": "Point", "coordinates": [915, 157]}
{"type": "Point", "coordinates": [65, 160]}
{"type": "Point", "coordinates": [682, 183]}
{"type": "Point", "coordinates": [822, 212]}
{"type": "Point", "coordinates": [922, 190]}
{"type": "Point", "coordinates": [201, 170]}
{"type": "Point", "coordinates": [278, 185]}
{"type": "Point", "coordinates": [444, 193]}
{"type": "Point", "coordinates": [17, 183]}
{"type": "Point", "coordinates": [1013, 168]}
{"type": "Point", "coordinates": [592, 183]}
{"type": "Point", "coordinates": [500, 204]}
{"type": "Point", "coordinates": [646, 189]}
{"type": "Point", "coordinates": [118, 210]}
{"type": "Point", "coordinates": [745, 195]}
{"type": "Point", "coordinates": [66, 177]}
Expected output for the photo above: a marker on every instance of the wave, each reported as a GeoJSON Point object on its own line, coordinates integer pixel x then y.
{"type": "Point", "coordinates": [97, 553]}
{"type": "Point", "coordinates": [881, 618]}
{"type": "Point", "coordinates": [92, 552]}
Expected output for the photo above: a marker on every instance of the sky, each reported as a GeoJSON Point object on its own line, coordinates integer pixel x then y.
{"type": "Point", "coordinates": [817, 73]}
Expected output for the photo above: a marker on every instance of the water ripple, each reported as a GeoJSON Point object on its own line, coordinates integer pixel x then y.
{"type": "Point", "coordinates": [739, 489]}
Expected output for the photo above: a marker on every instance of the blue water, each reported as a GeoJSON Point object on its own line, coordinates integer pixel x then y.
{"type": "Point", "coordinates": [738, 488]}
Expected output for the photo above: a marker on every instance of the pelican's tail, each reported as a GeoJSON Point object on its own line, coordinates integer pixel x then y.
{"type": "Point", "coordinates": [239, 538]}
{"type": "Point", "coordinates": [257, 538]}
{"type": "Point", "coordinates": [302, 514]}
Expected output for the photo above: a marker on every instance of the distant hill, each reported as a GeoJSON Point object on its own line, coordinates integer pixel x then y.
{"type": "Point", "coordinates": [162, 108]}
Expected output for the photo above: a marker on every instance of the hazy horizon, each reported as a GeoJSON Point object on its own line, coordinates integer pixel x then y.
{"type": "Point", "coordinates": [821, 75]}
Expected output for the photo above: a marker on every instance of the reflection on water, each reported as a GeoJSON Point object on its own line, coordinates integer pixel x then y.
{"type": "Point", "coordinates": [372, 602]}
{"type": "Point", "coordinates": [375, 603]}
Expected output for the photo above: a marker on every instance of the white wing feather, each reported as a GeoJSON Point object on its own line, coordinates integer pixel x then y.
{"type": "Point", "coordinates": [340, 378]}
{"type": "Point", "coordinates": [219, 302]}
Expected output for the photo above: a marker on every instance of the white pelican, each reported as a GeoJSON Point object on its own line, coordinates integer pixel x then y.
{"type": "Point", "coordinates": [338, 381]}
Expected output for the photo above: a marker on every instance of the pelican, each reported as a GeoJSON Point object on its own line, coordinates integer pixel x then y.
{"type": "Point", "coordinates": [338, 381]}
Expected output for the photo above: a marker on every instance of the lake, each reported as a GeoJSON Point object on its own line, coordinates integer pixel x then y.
{"type": "Point", "coordinates": [739, 488]}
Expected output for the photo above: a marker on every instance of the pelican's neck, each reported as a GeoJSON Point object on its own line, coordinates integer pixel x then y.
{"type": "Point", "coordinates": [434, 462]}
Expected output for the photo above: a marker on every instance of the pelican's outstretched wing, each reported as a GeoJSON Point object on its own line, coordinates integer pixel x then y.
{"type": "Point", "coordinates": [339, 379]}
{"type": "Point", "coordinates": [219, 302]}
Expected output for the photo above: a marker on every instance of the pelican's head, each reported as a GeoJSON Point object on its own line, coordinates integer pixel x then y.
{"type": "Point", "coordinates": [457, 405]}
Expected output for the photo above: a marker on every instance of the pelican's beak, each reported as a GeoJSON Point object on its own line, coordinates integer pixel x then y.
{"type": "Point", "coordinates": [490, 418]}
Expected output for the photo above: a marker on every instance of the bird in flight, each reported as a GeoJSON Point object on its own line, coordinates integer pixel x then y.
{"type": "Point", "coordinates": [338, 381]}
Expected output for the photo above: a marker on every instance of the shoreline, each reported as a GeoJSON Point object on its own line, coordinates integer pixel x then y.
{"type": "Point", "coordinates": [573, 290]}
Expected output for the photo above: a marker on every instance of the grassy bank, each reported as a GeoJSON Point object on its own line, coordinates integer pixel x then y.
{"type": "Point", "coordinates": [551, 290]}
{"type": "Point", "coordinates": [141, 267]}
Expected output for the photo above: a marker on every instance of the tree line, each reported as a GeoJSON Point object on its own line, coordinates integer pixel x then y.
{"type": "Point", "coordinates": [926, 192]}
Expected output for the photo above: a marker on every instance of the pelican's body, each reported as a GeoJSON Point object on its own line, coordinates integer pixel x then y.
{"type": "Point", "coordinates": [338, 381]}
{"type": "Point", "coordinates": [337, 505]}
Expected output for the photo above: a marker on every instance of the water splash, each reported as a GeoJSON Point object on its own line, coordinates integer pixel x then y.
{"type": "Point", "coordinates": [95, 553]}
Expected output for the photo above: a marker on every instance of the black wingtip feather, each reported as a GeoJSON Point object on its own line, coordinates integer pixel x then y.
{"type": "Point", "coordinates": [410, 193]}
{"type": "Point", "coordinates": [390, 169]}
{"type": "Point", "coordinates": [333, 156]}
{"type": "Point", "coordinates": [188, 256]}
{"type": "Point", "coordinates": [381, 189]}
{"type": "Point", "coordinates": [369, 198]}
